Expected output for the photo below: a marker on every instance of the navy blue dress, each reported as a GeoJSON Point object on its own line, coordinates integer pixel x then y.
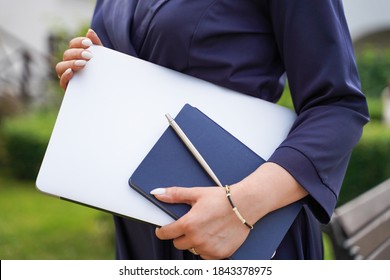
{"type": "Point", "coordinates": [251, 46]}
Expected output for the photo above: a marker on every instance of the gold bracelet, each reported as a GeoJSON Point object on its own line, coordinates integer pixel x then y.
{"type": "Point", "coordinates": [235, 210]}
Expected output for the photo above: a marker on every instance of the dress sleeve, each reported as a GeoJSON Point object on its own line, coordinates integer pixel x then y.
{"type": "Point", "coordinates": [112, 21]}
{"type": "Point", "coordinates": [316, 49]}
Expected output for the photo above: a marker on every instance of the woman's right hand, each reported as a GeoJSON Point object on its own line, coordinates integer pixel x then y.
{"type": "Point", "coordinates": [76, 56]}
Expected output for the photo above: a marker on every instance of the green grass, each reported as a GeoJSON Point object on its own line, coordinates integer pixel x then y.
{"type": "Point", "coordinates": [328, 250]}
{"type": "Point", "coordinates": [37, 226]}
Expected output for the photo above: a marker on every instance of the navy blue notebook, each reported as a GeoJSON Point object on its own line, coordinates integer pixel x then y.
{"type": "Point", "coordinates": [170, 163]}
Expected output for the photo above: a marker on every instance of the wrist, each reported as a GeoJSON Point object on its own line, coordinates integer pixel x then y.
{"type": "Point", "coordinates": [234, 208]}
{"type": "Point", "coordinates": [250, 201]}
{"type": "Point", "coordinates": [268, 188]}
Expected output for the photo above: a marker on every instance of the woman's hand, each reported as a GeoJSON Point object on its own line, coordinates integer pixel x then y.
{"type": "Point", "coordinates": [76, 56]}
{"type": "Point", "coordinates": [210, 227]}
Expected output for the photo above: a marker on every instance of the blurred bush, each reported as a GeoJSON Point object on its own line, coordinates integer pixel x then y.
{"type": "Point", "coordinates": [374, 70]}
{"type": "Point", "coordinates": [370, 162]}
{"type": "Point", "coordinates": [376, 108]}
{"type": "Point", "coordinates": [10, 105]}
{"type": "Point", "coordinates": [24, 140]}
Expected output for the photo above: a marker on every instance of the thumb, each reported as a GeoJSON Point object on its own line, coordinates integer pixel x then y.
{"type": "Point", "coordinates": [94, 37]}
{"type": "Point", "coordinates": [175, 195]}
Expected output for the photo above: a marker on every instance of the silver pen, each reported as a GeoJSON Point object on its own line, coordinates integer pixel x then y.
{"type": "Point", "coordinates": [192, 148]}
{"type": "Point", "coordinates": [204, 164]}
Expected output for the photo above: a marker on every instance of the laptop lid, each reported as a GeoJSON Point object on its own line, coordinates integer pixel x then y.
{"type": "Point", "coordinates": [112, 114]}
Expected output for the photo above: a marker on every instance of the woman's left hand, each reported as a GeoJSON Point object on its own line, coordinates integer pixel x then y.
{"type": "Point", "coordinates": [210, 227]}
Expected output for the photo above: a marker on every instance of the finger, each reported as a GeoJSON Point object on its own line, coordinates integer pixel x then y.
{"type": "Point", "coordinates": [184, 227]}
{"type": "Point", "coordinates": [77, 54]}
{"type": "Point", "coordinates": [75, 65]}
{"type": "Point", "coordinates": [91, 34]}
{"type": "Point", "coordinates": [80, 42]}
{"type": "Point", "coordinates": [170, 231]}
{"type": "Point", "coordinates": [176, 195]}
{"type": "Point", "coordinates": [205, 257]}
{"type": "Point", "coordinates": [182, 243]}
{"type": "Point", "coordinates": [65, 78]}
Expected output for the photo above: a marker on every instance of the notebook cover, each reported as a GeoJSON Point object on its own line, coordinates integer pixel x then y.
{"type": "Point", "coordinates": [170, 163]}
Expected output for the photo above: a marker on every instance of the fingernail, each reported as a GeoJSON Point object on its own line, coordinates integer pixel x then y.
{"type": "Point", "coordinates": [80, 63]}
{"type": "Point", "coordinates": [68, 71]}
{"type": "Point", "coordinates": [91, 30]}
{"type": "Point", "coordinates": [157, 191]}
{"type": "Point", "coordinates": [86, 55]}
{"type": "Point", "coordinates": [86, 42]}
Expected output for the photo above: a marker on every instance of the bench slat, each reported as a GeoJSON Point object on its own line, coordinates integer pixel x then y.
{"type": "Point", "coordinates": [355, 214]}
{"type": "Point", "coordinates": [371, 236]}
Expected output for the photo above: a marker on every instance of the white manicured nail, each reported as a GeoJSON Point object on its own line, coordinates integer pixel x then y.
{"type": "Point", "coordinates": [80, 63]}
{"type": "Point", "coordinates": [86, 55]}
{"type": "Point", "coordinates": [67, 71]}
{"type": "Point", "coordinates": [157, 191]}
{"type": "Point", "coordinates": [86, 42]}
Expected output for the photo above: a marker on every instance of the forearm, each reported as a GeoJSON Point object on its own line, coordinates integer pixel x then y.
{"type": "Point", "coordinates": [268, 188]}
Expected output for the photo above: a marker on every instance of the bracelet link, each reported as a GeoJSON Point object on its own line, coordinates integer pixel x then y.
{"type": "Point", "coordinates": [235, 210]}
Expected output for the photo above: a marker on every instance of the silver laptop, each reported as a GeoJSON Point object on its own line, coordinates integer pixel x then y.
{"type": "Point", "coordinates": [112, 114]}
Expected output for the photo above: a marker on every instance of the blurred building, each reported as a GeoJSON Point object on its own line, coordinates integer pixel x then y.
{"type": "Point", "coordinates": [369, 22]}
{"type": "Point", "coordinates": [32, 21]}
{"type": "Point", "coordinates": [25, 28]}
{"type": "Point", "coordinates": [367, 17]}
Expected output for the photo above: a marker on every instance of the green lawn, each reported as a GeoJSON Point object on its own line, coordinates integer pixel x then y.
{"type": "Point", "coordinates": [37, 226]}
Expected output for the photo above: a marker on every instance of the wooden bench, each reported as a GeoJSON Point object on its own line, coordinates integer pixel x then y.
{"type": "Point", "coordinates": [360, 228]}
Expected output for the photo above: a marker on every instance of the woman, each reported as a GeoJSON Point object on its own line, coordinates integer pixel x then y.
{"type": "Point", "coordinates": [248, 46]}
